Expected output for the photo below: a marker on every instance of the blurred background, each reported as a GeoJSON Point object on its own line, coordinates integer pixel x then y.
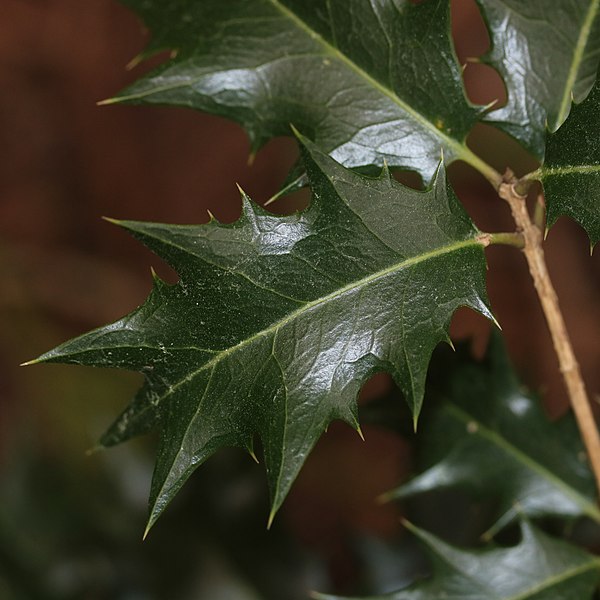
{"type": "Point", "coordinates": [71, 524]}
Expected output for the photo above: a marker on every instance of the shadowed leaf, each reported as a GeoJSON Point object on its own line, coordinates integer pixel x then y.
{"type": "Point", "coordinates": [487, 436]}
{"type": "Point", "coordinates": [539, 567]}
{"type": "Point", "coordinates": [571, 173]}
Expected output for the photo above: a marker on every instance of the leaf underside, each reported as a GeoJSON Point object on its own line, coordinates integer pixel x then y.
{"type": "Point", "coordinates": [393, 94]}
{"type": "Point", "coordinates": [276, 322]}
{"type": "Point", "coordinates": [547, 54]}
{"type": "Point", "coordinates": [488, 437]}
{"type": "Point", "coordinates": [571, 172]}
{"type": "Point", "coordinates": [539, 567]}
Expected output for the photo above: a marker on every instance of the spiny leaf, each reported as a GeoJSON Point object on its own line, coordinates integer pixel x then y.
{"type": "Point", "coordinates": [370, 82]}
{"type": "Point", "coordinates": [489, 437]}
{"type": "Point", "coordinates": [547, 54]}
{"type": "Point", "coordinates": [571, 173]}
{"type": "Point", "coordinates": [276, 322]}
{"type": "Point", "coordinates": [539, 567]}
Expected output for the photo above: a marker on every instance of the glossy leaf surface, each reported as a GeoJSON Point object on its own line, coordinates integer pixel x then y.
{"type": "Point", "coordinates": [487, 436]}
{"type": "Point", "coordinates": [547, 54]}
{"type": "Point", "coordinates": [368, 81]}
{"type": "Point", "coordinates": [539, 567]}
{"type": "Point", "coordinates": [277, 321]}
{"type": "Point", "coordinates": [571, 173]}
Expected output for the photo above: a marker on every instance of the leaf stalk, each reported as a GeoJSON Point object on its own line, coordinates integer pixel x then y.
{"type": "Point", "coordinates": [515, 239]}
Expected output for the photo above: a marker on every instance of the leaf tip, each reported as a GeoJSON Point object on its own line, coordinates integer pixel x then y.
{"type": "Point", "coordinates": [296, 132]}
{"type": "Point", "coordinates": [489, 106]}
{"type": "Point", "coordinates": [385, 497]}
{"type": "Point", "coordinates": [135, 61]}
{"type": "Point", "coordinates": [39, 360]}
{"type": "Point", "coordinates": [240, 190]}
{"type": "Point", "coordinates": [33, 361]}
{"type": "Point", "coordinates": [253, 456]}
{"type": "Point", "coordinates": [155, 277]}
{"type": "Point", "coordinates": [360, 433]}
{"type": "Point", "coordinates": [95, 449]}
{"type": "Point", "coordinates": [409, 525]}
{"type": "Point", "coordinates": [271, 518]}
{"type": "Point", "coordinates": [415, 422]}
{"type": "Point", "coordinates": [272, 199]}
{"type": "Point", "coordinates": [108, 101]}
{"type": "Point", "coordinates": [146, 531]}
{"type": "Point", "coordinates": [112, 221]}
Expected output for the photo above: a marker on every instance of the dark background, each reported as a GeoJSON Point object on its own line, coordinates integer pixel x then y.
{"type": "Point", "coordinates": [71, 525]}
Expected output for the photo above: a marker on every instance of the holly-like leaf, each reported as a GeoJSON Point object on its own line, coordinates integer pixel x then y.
{"type": "Point", "coordinates": [276, 322]}
{"type": "Point", "coordinates": [487, 436]}
{"type": "Point", "coordinates": [571, 173]}
{"type": "Point", "coordinates": [539, 567]}
{"type": "Point", "coordinates": [547, 53]}
{"type": "Point", "coordinates": [368, 81]}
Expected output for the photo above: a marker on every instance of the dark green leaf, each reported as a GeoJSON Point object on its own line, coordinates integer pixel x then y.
{"type": "Point", "coordinates": [539, 568]}
{"type": "Point", "coordinates": [368, 82]}
{"type": "Point", "coordinates": [276, 322]}
{"type": "Point", "coordinates": [571, 173]}
{"type": "Point", "coordinates": [489, 437]}
{"type": "Point", "coordinates": [547, 54]}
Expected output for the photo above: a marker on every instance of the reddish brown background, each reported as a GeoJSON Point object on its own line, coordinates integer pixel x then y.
{"type": "Point", "coordinates": [66, 162]}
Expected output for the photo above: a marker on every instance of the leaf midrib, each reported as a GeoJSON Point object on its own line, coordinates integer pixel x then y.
{"type": "Point", "coordinates": [274, 327]}
{"type": "Point", "coordinates": [383, 89]}
{"type": "Point", "coordinates": [552, 581]}
{"type": "Point", "coordinates": [569, 170]}
{"type": "Point", "coordinates": [578, 54]}
{"type": "Point", "coordinates": [587, 507]}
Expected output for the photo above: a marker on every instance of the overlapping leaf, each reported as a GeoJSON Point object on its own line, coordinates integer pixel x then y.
{"type": "Point", "coordinates": [547, 53]}
{"type": "Point", "coordinates": [539, 567]}
{"type": "Point", "coordinates": [488, 437]}
{"type": "Point", "coordinates": [368, 81]}
{"type": "Point", "coordinates": [571, 172]}
{"type": "Point", "coordinates": [277, 321]}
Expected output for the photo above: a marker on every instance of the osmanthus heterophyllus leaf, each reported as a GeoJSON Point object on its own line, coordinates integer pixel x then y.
{"type": "Point", "coordinates": [539, 567]}
{"type": "Point", "coordinates": [485, 434]}
{"type": "Point", "coordinates": [547, 54]}
{"type": "Point", "coordinates": [276, 322]}
{"type": "Point", "coordinates": [571, 172]}
{"type": "Point", "coordinates": [370, 82]}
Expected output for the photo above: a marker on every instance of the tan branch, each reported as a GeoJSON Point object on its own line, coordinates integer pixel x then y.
{"type": "Point", "coordinates": [569, 366]}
